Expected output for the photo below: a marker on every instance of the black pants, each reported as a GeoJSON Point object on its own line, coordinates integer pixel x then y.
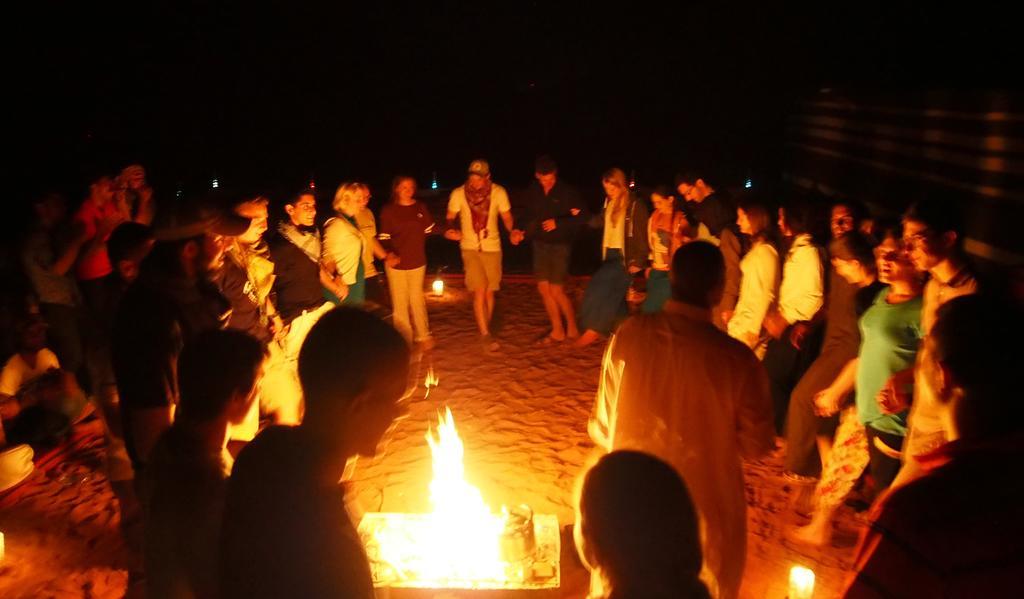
{"type": "Point", "coordinates": [802, 424]}
{"type": "Point", "coordinates": [64, 325]}
{"type": "Point", "coordinates": [883, 468]}
{"type": "Point", "coordinates": [785, 365]}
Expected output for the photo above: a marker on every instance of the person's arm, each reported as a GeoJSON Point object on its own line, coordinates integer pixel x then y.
{"type": "Point", "coordinates": [754, 426]}
{"type": "Point", "coordinates": [805, 286]}
{"type": "Point", "coordinates": [147, 207]}
{"type": "Point", "coordinates": [829, 400]}
{"type": "Point", "coordinates": [757, 292]}
{"type": "Point", "coordinates": [505, 210]}
{"type": "Point", "coordinates": [642, 250]}
{"type": "Point", "coordinates": [601, 424]}
{"type": "Point", "coordinates": [453, 232]}
{"type": "Point", "coordinates": [897, 393]}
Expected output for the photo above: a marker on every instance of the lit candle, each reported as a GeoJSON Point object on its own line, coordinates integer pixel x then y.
{"type": "Point", "coordinates": [801, 583]}
{"type": "Point", "coordinates": [438, 287]}
{"type": "Point", "coordinates": [1, 546]}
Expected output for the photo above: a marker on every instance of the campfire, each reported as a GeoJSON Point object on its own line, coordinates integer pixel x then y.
{"type": "Point", "coordinates": [462, 543]}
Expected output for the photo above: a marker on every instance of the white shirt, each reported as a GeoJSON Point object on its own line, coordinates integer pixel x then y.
{"type": "Point", "coordinates": [17, 372]}
{"type": "Point", "coordinates": [674, 386]}
{"type": "Point", "coordinates": [802, 292]}
{"type": "Point", "coordinates": [491, 241]}
{"type": "Point", "coordinates": [758, 284]}
{"type": "Point", "coordinates": [343, 247]}
{"type": "Point", "coordinates": [614, 233]}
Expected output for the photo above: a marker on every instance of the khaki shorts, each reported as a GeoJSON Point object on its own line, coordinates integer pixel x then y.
{"type": "Point", "coordinates": [483, 269]}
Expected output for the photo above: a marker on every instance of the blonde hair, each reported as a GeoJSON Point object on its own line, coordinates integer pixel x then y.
{"type": "Point", "coordinates": [617, 204]}
{"type": "Point", "coordinates": [347, 192]}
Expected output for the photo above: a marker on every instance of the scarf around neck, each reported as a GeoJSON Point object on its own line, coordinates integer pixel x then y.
{"type": "Point", "coordinates": [479, 207]}
{"type": "Point", "coordinates": [306, 239]}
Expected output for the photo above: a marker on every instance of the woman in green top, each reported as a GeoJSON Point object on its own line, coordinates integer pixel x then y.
{"type": "Point", "coordinates": [890, 335]}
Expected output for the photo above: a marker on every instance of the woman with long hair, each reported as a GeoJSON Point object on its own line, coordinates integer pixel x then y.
{"type": "Point", "coordinates": [343, 246]}
{"type": "Point", "coordinates": [868, 436]}
{"type": "Point", "coordinates": [667, 230]}
{"type": "Point", "coordinates": [405, 223]}
{"type": "Point", "coordinates": [637, 530]}
{"type": "Point", "coordinates": [759, 282]}
{"type": "Point", "coordinates": [624, 251]}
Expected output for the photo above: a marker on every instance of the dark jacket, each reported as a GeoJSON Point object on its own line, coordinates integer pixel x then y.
{"type": "Point", "coordinates": [636, 251]}
{"type": "Point", "coordinates": [158, 314]}
{"type": "Point", "coordinates": [557, 205]}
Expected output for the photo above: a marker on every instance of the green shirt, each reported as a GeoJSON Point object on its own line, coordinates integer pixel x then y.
{"type": "Point", "coordinates": [890, 336]}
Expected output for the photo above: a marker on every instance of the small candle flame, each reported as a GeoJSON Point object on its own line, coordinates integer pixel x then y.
{"type": "Point", "coordinates": [801, 583]}
{"type": "Point", "coordinates": [430, 382]}
{"type": "Point", "coordinates": [438, 286]}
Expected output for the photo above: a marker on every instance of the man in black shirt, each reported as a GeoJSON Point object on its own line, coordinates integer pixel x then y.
{"type": "Point", "coordinates": [556, 215]}
{"type": "Point", "coordinates": [717, 212]}
{"type": "Point", "coordinates": [300, 278]}
{"type": "Point", "coordinates": [170, 302]}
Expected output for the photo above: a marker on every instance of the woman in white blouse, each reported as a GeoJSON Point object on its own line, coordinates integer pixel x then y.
{"type": "Point", "coordinates": [343, 245]}
{"type": "Point", "coordinates": [760, 272]}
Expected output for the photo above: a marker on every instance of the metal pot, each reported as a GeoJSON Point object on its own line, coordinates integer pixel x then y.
{"type": "Point", "coordinates": [517, 539]}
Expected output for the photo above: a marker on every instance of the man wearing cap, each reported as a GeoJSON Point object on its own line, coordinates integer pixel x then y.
{"type": "Point", "coordinates": [478, 204]}
{"type": "Point", "coordinates": [556, 215]}
{"type": "Point", "coordinates": [170, 302]}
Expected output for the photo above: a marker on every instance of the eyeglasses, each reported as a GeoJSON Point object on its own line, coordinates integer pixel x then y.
{"type": "Point", "coordinates": [917, 238]}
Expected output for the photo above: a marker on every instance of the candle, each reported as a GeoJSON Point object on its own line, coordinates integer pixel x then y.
{"type": "Point", "coordinates": [1, 546]}
{"type": "Point", "coordinates": [801, 583]}
{"type": "Point", "coordinates": [438, 287]}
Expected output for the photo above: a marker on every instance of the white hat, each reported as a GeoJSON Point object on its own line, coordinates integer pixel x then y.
{"type": "Point", "coordinates": [15, 465]}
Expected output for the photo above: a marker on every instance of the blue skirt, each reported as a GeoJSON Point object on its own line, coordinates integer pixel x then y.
{"type": "Point", "coordinates": [604, 302]}
{"type": "Point", "coordinates": [658, 292]}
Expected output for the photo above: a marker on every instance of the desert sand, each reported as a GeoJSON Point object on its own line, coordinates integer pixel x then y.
{"type": "Point", "coordinates": [521, 413]}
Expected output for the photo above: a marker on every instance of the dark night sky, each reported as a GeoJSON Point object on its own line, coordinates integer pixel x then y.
{"type": "Point", "coordinates": [264, 97]}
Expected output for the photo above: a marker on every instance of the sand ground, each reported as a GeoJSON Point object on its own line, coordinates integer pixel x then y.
{"type": "Point", "coordinates": [521, 413]}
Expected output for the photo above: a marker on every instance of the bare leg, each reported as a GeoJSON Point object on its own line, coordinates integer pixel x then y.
{"type": "Point", "coordinates": [565, 305]}
{"type": "Point", "coordinates": [824, 450]}
{"type": "Point", "coordinates": [480, 310]}
{"type": "Point", "coordinates": [551, 307]}
{"type": "Point", "coordinates": [489, 298]}
{"type": "Point", "coordinates": [587, 338]}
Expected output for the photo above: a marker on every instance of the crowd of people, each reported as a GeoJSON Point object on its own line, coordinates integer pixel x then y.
{"type": "Point", "coordinates": [236, 371]}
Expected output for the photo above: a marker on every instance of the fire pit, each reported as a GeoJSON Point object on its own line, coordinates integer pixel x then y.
{"type": "Point", "coordinates": [462, 545]}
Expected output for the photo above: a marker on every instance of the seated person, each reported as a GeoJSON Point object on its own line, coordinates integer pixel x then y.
{"type": "Point", "coordinates": [286, 530]}
{"type": "Point", "coordinates": [218, 378]}
{"type": "Point", "coordinates": [38, 400]}
{"type": "Point", "coordinates": [637, 530]}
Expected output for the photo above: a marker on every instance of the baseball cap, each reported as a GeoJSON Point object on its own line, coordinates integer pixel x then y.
{"type": "Point", "coordinates": [479, 167]}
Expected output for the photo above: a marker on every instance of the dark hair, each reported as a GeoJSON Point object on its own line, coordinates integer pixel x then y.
{"type": "Point", "coordinates": [939, 213]}
{"type": "Point", "coordinates": [640, 526]}
{"type": "Point", "coordinates": [758, 213]}
{"type": "Point", "coordinates": [690, 177]}
{"type": "Point", "coordinates": [165, 257]}
{"type": "Point", "coordinates": [798, 214]}
{"type": "Point", "coordinates": [398, 181]}
{"type": "Point", "coordinates": [855, 246]}
{"type": "Point", "coordinates": [888, 228]}
{"type": "Point", "coordinates": [128, 241]}
{"type": "Point", "coordinates": [857, 208]}
{"type": "Point", "coordinates": [698, 268]}
{"type": "Point", "coordinates": [346, 352]}
{"type": "Point", "coordinates": [211, 368]}
{"type": "Point", "coordinates": [545, 165]}
{"type": "Point", "coordinates": [664, 191]}
{"type": "Point", "coordinates": [294, 199]}
{"type": "Point", "coordinates": [966, 340]}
